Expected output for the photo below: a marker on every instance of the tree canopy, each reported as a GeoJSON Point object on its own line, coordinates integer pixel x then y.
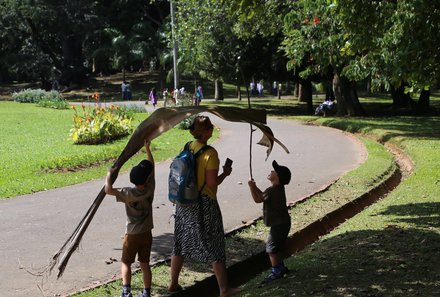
{"type": "Point", "coordinates": [392, 44]}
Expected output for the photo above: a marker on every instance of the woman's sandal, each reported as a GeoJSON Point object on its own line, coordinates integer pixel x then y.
{"type": "Point", "coordinates": [175, 290]}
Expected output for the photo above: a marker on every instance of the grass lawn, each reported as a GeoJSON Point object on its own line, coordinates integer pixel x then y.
{"type": "Point", "coordinates": [36, 140]}
{"type": "Point", "coordinates": [391, 248]}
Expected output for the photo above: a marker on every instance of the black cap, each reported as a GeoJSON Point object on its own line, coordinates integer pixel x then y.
{"type": "Point", "coordinates": [283, 172]}
{"type": "Point", "coordinates": [140, 172]}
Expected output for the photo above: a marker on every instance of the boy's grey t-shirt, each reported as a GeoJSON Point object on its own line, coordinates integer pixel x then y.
{"type": "Point", "coordinates": [138, 206]}
{"type": "Point", "coordinates": [274, 206]}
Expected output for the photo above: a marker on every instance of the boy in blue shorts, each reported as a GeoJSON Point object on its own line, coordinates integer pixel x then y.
{"type": "Point", "coordinates": [275, 216]}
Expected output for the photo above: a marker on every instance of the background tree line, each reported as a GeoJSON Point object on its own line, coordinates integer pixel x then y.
{"type": "Point", "coordinates": [389, 45]}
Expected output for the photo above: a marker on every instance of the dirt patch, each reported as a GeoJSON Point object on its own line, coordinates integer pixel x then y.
{"type": "Point", "coordinates": [78, 167]}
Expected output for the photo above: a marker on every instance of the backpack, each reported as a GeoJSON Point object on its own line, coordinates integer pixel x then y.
{"type": "Point", "coordinates": [182, 180]}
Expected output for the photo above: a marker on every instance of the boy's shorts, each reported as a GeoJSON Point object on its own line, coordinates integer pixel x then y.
{"type": "Point", "coordinates": [277, 237]}
{"type": "Point", "coordinates": [139, 244]}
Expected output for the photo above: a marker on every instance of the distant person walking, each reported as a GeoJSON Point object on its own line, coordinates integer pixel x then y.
{"type": "Point", "coordinates": [153, 97]}
{"type": "Point", "coordinates": [275, 216]}
{"type": "Point", "coordinates": [199, 95]}
{"type": "Point", "coordinates": [124, 90]}
{"type": "Point", "coordinates": [128, 91]}
{"type": "Point", "coordinates": [252, 87]}
{"type": "Point", "coordinates": [260, 89]}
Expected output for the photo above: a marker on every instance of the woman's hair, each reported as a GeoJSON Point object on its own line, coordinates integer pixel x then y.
{"type": "Point", "coordinates": [199, 125]}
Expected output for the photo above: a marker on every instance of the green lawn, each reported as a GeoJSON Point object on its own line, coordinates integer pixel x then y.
{"type": "Point", "coordinates": [36, 140]}
{"type": "Point", "coordinates": [391, 248]}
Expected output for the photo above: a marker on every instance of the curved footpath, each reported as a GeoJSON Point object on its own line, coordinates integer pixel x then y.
{"type": "Point", "coordinates": [35, 226]}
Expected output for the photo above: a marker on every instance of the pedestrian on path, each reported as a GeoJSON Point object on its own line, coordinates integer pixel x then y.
{"type": "Point", "coordinates": [124, 90]}
{"type": "Point", "coordinates": [198, 227]}
{"type": "Point", "coordinates": [138, 206]}
{"type": "Point", "coordinates": [153, 97]}
{"type": "Point", "coordinates": [275, 216]}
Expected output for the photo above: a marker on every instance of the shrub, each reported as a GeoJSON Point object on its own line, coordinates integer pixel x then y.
{"type": "Point", "coordinates": [96, 125]}
{"type": "Point", "coordinates": [131, 109]}
{"type": "Point", "coordinates": [54, 100]}
{"type": "Point", "coordinates": [36, 95]}
{"type": "Point", "coordinates": [29, 95]}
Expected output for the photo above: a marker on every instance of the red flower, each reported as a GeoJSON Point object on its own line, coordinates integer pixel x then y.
{"type": "Point", "coordinates": [316, 20]}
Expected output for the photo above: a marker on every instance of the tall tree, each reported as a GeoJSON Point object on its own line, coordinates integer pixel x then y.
{"type": "Point", "coordinates": [65, 38]}
{"type": "Point", "coordinates": [314, 38]}
{"type": "Point", "coordinates": [402, 50]}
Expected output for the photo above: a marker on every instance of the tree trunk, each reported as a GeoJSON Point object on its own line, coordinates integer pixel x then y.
{"type": "Point", "coordinates": [304, 91]}
{"type": "Point", "coordinates": [341, 106]}
{"type": "Point", "coordinates": [161, 80]}
{"type": "Point", "coordinates": [423, 103]}
{"type": "Point", "coordinates": [306, 94]}
{"type": "Point", "coordinates": [368, 85]}
{"type": "Point", "coordinates": [296, 90]}
{"type": "Point", "coordinates": [238, 92]}
{"type": "Point", "coordinates": [346, 96]}
{"type": "Point", "coordinates": [287, 91]}
{"type": "Point", "coordinates": [73, 70]}
{"type": "Point", "coordinates": [218, 90]}
{"type": "Point", "coordinates": [400, 99]}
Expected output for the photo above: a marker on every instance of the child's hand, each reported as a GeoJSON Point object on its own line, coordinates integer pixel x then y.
{"type": "Point", "coordinates": [251, 182]}
{"type": "Point", "coordinates": [147, 143]}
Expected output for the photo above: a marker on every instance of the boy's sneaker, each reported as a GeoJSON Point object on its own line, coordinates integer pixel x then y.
{"type": "Point", "coordinates": [144, 294]}
{"type": "Point", "coordinates": [274, 276]}
{"type": "Point", "coordinates": [126, 294]}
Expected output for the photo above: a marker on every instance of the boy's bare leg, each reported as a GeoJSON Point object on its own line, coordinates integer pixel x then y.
{"type": "Point", "coordinates": [126, 273]}
{"type": "Point", "coordinates": [275, 259]}
{"type": "Point", "coordinates": [176, 267]}
{"type": "Point", "coordinates": [146, 274]}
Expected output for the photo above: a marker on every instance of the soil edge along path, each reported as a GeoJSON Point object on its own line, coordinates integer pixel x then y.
{"type": "Point", "coordinates": [35, 226]}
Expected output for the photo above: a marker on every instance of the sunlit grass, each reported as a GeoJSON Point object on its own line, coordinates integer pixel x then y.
{"type": "Point", "coordinates": [35, 140]}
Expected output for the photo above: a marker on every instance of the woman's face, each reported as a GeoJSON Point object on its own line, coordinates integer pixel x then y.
{"type": "Point", "coordinates": [210, 129]}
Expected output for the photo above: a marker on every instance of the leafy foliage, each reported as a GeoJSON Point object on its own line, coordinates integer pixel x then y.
{"type": "Point", "coordinates": [51, 39]}
{"type": "Point", "coordinates": [96, 125]}
{"type": "Point", "coordinates": [56, 103]}
{"type": "Point", "coordinates": [37, 95]}
{"type": "Point", "coordinates": [215, 42]}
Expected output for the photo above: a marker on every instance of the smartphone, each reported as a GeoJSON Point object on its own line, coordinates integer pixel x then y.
{"type": "Point", "coordinates": [228, 162]}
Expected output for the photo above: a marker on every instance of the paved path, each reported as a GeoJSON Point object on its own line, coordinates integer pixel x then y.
{"type": "Point", "coordinates": [35, 226]}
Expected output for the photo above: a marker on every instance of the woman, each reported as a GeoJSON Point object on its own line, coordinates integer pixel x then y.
{"type": "Point", "coordinates": [198, 229]}
{"type": "Point", "coordinates": [153, 97]}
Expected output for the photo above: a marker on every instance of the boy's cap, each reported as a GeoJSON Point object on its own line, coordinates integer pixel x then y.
{"type": "Point", "coordinates": [140, 172]}
{"type": "Point", "coordinates": [283, 172]}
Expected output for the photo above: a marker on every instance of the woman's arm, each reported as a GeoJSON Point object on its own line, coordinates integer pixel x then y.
{"type": "Point", "coordinates": [213, 179]}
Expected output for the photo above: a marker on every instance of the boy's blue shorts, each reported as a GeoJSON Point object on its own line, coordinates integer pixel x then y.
{"type": "Point", "coordinates": [277, 237]}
